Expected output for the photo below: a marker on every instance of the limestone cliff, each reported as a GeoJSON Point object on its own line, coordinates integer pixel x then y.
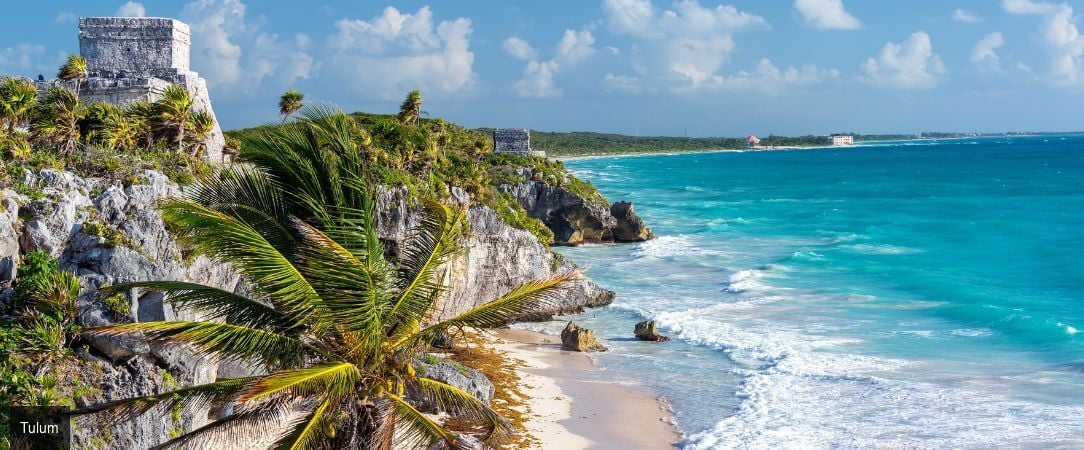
{"type": "Point", "coordinates": [108, 233]}
{"type": "Point", "coordinates": [576, 218]}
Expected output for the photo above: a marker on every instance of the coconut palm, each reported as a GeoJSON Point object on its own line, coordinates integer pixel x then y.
{"type": "Point", "coordinates": [56, 120]}
{"type": "Point", "coordinates": [75, 68]}
{"type": "Point", "coordinates": [171, 113]}
{"type": "Point", "coordinates": [201, 123]}
{"type": "Point", "coordinates": [17, 99]}
{"type": "Point", "coordinates": [337, 324]}
{"type": "Point", "coordinates": [289, 103]}
{"type": "Point", "coordinates": [410, 111]}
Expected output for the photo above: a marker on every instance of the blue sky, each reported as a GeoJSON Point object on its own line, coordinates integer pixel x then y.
{"type": "Point", "coordinates": [647, 67]}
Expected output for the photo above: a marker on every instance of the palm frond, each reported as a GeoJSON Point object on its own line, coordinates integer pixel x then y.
{"type": "Point", "coordinates": [311, 429]}
{"type": "Point", "coordinates": [333, 378]}
{"type": "Point", "coordinates": [213, 302]}
{"type": "Point", "coordinates": [234, 431]}
{"type": "Point", "coordinates": [418, 430]}
{"type": "Point", "coordinates": [253, 197]}
{"type": "Point", "coordinates": [352, 293]}
{"type": "Point", "coordinates": [460, 403]}
{"type": "Point", "coordinates": [221, 340]}
{"type": "Point", "coordinates": [190, 397]}
{"type": "Point", "coordinates": [229, 239]}
{"type": "Point", "coordinates": [527, 297]}
{"type": "Point", "coordinates": [433, 242]}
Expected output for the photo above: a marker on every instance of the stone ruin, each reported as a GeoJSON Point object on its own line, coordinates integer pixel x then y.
{"type": "Point", "coordinates": [514, 140]}
{"type": "Point", "coordinates": [131, 59]}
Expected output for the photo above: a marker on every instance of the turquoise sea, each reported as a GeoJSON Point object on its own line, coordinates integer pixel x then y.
{"type": "Point", "coordinates": [924, 294]}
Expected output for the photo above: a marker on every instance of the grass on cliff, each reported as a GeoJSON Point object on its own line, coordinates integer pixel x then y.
{"type": "Point", "coordinates": [430, 158]}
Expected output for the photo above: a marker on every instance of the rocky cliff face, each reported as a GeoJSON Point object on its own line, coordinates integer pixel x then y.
{"type": "Point", "coordinates": [575, 219]}
{"type": "Point", "coordinates": [497, 258]}
{"type": "Point", "coordinates": [107, 233]}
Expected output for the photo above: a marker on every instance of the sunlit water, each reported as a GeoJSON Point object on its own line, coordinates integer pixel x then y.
{"type": "Point", "coordinates": [924, 294]}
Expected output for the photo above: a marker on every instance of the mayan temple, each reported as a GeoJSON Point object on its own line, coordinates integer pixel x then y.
{"type": "Point", "coordinates": [130, 59]}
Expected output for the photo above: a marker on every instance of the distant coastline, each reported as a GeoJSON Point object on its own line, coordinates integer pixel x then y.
{"type": "Point", "coordinates": [858, 144]}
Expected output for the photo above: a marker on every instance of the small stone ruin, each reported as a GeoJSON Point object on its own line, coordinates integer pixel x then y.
{"type": "Point", "coordinates": [514, 140]}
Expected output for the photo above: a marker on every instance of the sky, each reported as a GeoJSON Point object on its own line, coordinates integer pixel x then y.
{"type": "Point", "coordinates": [640, 67]}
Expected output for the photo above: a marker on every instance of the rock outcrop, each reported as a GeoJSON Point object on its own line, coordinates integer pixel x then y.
{"type": "Point", "coordinates": [497, 258]}
{"type": "Point", "coordinates": [580, 339]}
{"type": "Point", "coordinates": [452, 373]}
{"type": "Point", "coordinates": [630, 227]}
{"type": "Point", "coordinates": [574, 218]}
{"type": "Point", "coordinates": [645, 331]}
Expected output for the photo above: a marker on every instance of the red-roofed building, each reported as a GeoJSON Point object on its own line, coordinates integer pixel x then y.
{"type": "Point", "coordinates": [752, 141]}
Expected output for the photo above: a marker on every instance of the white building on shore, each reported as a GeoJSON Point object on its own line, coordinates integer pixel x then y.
{"type": "Point", "coordinates": [842, 139]}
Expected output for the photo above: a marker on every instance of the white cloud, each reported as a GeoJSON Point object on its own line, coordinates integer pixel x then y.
{"type": "Point", "coordinates": [230, 52]}
{"type": "Point", "coordinates": [621, 84]}
{"type": "Point", "coordinates": [909, 65]}
{"type": "Point", "coordinates": [392, 53]}
{"type": "Point", "coordinates": [613, 50]}
{"type": "Point", "coordinates": [64, 17]}
{"type": "Point", "coordinates": [1028, 7]}
{"type": "Point", "coordinates": [537, 81]}
{"type": "Point", "coordinates": [683, 48]}
{"type": "Point", "coordinates": [984, 54]}
{"type": "Point", "coordinates": [965, 16]}
{"type": "Point", "coordinates": [826, 15]}
{"type": "Point", "coordinates": [769, 79]}
{"type": "Point", "coordinates": [538, 76]}
{"type": "Point", "coordinates": [21, 59]}
{"type": "Point", "coordinates": [131, 9]}
{"type": "Point", "coordinates": [519, 48]}
{"type": "Point", "coordinates": [575, 46]}
{"type": "Point", "coordinates": [1061, 37]}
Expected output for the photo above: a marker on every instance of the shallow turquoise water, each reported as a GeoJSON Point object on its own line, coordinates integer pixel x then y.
{"type": "Point", "coordinates": [924, 294]}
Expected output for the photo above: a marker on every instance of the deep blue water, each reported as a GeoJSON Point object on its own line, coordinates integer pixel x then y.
{"type": "Point", "coordinates": [911, 294]}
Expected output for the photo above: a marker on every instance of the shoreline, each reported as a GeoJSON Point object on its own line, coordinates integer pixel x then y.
{"type": "Point", "coordinates": [566, 408]}
{"type": "Point", "coordinates": [781, 148]}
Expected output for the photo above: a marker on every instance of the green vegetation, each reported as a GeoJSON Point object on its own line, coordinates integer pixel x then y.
{"type": "Point", "coordinates": [289, 103]}
{"type": "Point", "coordinates": [429, 156]}
{"type": "Point", "coordinates": [588, 143]}
{"type": "Point", "coordinates": [62, 131]}
{"type": "Point", "coordinates": [37, 365]}
{"type": "Point", "coordinates": [339, 325]}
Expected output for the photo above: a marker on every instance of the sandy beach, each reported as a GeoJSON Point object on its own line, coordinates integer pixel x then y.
{"type": "Point", "coordinates": [568, 410]}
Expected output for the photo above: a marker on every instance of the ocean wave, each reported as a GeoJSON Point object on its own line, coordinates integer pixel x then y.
{"type": "Point", "coordinates": [806, 257]}
{"type": "Point", "coordinates": [881, 249]}
{"type": "Point", "coordinates": [744, 281]}
{"type": "Point", "coordinates": [668, 247]}
{"type": "Point", "coordinates": [806, 391]}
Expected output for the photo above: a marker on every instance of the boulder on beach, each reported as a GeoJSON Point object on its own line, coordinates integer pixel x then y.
{"type": "Point", "coordinates": [580, 339]}
{"type": "Point", "coordinates": [645, 331]}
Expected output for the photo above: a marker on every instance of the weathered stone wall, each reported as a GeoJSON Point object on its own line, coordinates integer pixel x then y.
{"type": "Point", "coordinates": [131, 59]}
{"type": "Point", "coordinates": [134, 44]}
{"type": "Point", "coordinates": [514, 140]}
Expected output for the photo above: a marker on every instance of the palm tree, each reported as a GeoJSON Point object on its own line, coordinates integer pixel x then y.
{"type": "Point", "coordinates": [75, 68]}
{"type": "Point", "coordinates": [289, 103]}
{"type": "Point", "coordinates": [120, 132]}
{"type": "Point", "coordinates": [338, 325]}
{"type": "Point", "coordinates": [171, 113]}
{"type": "Point", "coordinates": [140, 116]}
{"type": "Point", "coordinates": [56, 120]}
{"type": "Point", "coordinates": [201, 123]}
{"type": "Point", "coordinates": [410, 110]}
{"type": "Point", "coordinates": [17, 99]}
